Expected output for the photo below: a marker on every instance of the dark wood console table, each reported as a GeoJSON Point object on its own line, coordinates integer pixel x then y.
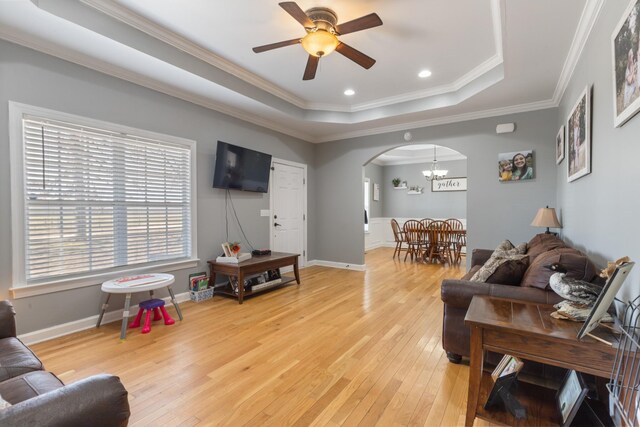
{"type": "Point", "coordinates": [257, 264]}
{"type": "Point", "coordinates": [527, 330]}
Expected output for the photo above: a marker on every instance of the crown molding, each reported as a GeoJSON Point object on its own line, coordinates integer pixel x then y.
{"type": "Point", "coordinates": [469, 77]}
{"type": "Point", "coordinates": [495, 112]}
{"type": "Point", "coordinates": [587, 21]}
{"type": "Point", "coordinates": [111, 70]}
{"type": "Point", "coordinates": [589, 16]}
{"type": "Point", "coordinates": [159, 32]}
{"type": "Point", "coordinates": [125, 15]}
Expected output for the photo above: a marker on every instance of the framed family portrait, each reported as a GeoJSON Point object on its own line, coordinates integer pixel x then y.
{"type": "Point", "coordinates": [560, 146]}
{"type": "Point", "coordinates": [579, 137]}
{"type": "Point", "coordinates": [626, 65]}
{"type": "Point", "coordinates": [516, 166]}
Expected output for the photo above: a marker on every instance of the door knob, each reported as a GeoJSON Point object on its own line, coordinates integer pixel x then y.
{"type": "Point", "coordinates": [276, 224]}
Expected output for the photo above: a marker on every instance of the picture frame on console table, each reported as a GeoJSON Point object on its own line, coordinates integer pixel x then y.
{"type": "Point", "coordinates": [570, 396]}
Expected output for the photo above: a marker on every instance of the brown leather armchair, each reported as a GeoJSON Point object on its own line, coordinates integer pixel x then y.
{"type": "Point", "coordinates": [39, 398]}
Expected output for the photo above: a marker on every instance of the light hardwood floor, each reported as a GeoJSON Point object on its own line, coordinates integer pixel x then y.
{"type": "Point", "coordinates": [344, 348]}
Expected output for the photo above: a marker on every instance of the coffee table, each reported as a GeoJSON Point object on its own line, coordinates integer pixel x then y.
{"type": "Point", "coordinates": [132, 284]}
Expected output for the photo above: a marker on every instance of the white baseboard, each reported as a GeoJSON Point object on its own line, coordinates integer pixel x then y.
{"type": "Point", "coordinates": [375, 245]}
{"type": "Point", "coordinates": [333, 264]}
{"type": "Point", "coordinates": [81, 324]}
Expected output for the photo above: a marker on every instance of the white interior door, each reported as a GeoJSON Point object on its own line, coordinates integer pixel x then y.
{"type": "Point", "coordinates": [288, 209]}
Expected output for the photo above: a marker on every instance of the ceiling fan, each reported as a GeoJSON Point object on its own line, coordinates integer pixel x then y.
{"type": "Point", "coordinates": [322, 36]}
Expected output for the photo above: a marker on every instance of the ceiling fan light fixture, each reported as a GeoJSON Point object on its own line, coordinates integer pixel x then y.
{"type": "Point", "coordinates": [320, 43]}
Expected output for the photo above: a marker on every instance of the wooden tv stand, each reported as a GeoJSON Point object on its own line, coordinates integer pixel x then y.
{"type": "Point", "coordinates": [257, 264]}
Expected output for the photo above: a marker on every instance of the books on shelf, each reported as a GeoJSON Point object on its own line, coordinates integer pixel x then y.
{"type": "Point", "coordinates": [508, 365]}
{"type": "Point", "coordinates": [198, 281]}
{"type": "Point", "coordinates": [234, 260]}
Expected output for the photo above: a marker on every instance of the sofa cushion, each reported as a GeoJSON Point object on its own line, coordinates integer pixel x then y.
{"type": "Point", "coordinates": [577, 264]}
{"type": "Point", "coordinates": [16, 359]}
{"type": "Point", "coordinates": [26, 386]}
{"type": "Point", "coordinates": [510, 272]}
{"type": "Point", "coordinates": [541, 243]}
{"type": "Point", "coordinates": [504, 252]}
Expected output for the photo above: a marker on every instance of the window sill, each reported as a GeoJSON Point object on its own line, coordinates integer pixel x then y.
{"type": "Point", "coordinates": [97, 279]}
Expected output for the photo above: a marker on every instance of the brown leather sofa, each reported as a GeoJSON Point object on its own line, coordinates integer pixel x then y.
{"type": "Point", "coordinates": [531, 286]}
{"type": "Point", "coordinates": [39, 398]}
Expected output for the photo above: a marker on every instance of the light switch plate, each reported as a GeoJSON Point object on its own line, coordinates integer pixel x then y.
{"type": "Point", "coordinates": [265, 212]}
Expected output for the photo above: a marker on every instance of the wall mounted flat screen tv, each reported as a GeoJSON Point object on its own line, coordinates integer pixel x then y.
{"type": "Point", "coordinates": [240, 168]}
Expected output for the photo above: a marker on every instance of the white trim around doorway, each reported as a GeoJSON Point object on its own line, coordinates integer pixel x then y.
{"type": "Point", "coordinates": [305, 218]}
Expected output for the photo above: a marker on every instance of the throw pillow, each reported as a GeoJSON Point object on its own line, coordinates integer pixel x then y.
{"type": "Point", "coordinates": [503, 253]}
{"type": "Point", "coordinates": [541, 243]}
{"type": "Point", "coordinates": [510, 272]}
{"type": "Point", "coordinates": [4, 404]}
{"type": "Point", "coordinates": [577, 264]}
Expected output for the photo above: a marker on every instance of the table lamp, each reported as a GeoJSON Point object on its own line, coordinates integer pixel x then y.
{"type": "Point", "coordinates": [546, 217]}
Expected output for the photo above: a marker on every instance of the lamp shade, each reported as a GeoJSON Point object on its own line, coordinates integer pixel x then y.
{"type": "Point", "coordinates": [546, 217]}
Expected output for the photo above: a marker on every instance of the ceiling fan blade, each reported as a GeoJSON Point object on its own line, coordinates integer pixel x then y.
{"type": "Point", "coordinates": [355, 55]}
{"type": "Point", "coordinates": [312, 66]}
{"type": "Point", "coordinates": [298, 14]}
{"type": "Point", "coordinates": [369, 21]}
{"type": "Point", "coordinates": [275, 45]}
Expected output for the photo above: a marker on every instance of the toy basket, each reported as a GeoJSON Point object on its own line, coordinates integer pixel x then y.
{"type": "Point", "coordinates": [203, 295]}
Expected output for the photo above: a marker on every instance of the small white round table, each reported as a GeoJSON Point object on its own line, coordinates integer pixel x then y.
{"type": "Point", "coordinates": [132, 284]}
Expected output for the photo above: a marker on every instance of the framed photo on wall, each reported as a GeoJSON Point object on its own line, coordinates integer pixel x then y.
{"type": "Point", "coordinates": [516, 166]}
{"type": "Point", "coordinates": [579, 137]}
{"type": "Point", "coordinates": [376, 192]}
{"type": "Point", "coordinates": [625, 50]}
{"type": "Point", "coordinates": [560, 146]}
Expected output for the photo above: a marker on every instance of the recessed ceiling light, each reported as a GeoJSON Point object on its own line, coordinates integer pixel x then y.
{"type": "Point", "coordinates": [424, 74]}
{"type": "Point", "coordinates": [349, 92]}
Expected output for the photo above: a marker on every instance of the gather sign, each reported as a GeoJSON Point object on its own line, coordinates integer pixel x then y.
{"type": "Point", "coordinates": [449, 184]}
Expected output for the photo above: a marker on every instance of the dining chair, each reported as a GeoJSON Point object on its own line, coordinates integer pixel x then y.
{"type": "Point", "coordinates": [457, 230]}
{"type": "Point", "coordinates": [460, 243]}
{"type": "Point", "coordinates": [440, 241]}
{"type": "Point", "coordinates": [414, 234]}
{"type": "Point", "coordinates": [398, 236]}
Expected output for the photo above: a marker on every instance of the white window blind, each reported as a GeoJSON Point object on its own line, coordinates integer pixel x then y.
{"type": "Point", "coordinates": [97, 199]}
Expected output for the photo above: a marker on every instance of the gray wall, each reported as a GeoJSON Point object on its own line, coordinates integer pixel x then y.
{"type": "Point", "coordinates": [33, 78]}
{"type": "Point", "coordinates": [375, 174]}
{"type": "Point", "coordinates": [399, 204]}
{"type": "Point", "coordinates": [599, 212]}
{"type": "Point", "coordinates": [495, 210]}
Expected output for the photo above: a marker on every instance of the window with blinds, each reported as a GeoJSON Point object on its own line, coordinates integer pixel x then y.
{"type": "Point", "coordinates": [95, 199]}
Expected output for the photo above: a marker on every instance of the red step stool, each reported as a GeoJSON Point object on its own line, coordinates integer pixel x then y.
{"type": "Point", "coordinates": [157, 305]}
